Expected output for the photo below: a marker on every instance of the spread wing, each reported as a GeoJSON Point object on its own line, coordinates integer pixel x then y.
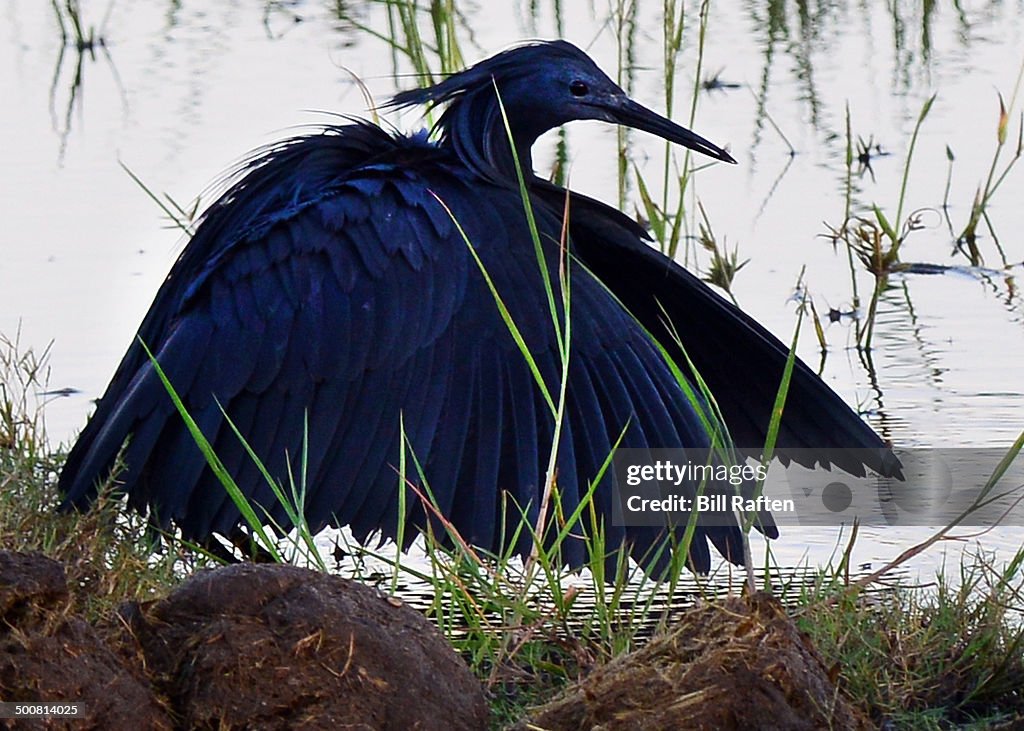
{"type": "Point", "coordinates": [741, 362]}
{"type": "Point", "coordinates": [329, 294]}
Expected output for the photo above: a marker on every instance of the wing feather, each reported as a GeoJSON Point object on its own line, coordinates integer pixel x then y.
{"type": "Point", "coordinates": [341, 294]}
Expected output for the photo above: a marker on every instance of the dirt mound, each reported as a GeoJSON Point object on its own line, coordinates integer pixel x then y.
{"type": "Point", "coordinates": [46, 655]}
{"type": "Point", "coordinates": [278, 647]}
{"type": "Point", "coordinates": [254, 647]}
{"type": "Point", "coordinates": [740, 664]}
{"type": "Point", "coordinates": [31, 586]}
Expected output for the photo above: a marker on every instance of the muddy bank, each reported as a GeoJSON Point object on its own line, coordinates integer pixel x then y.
{"type": "Point", "coordinates": [245, 646]}
{"type": "Point", "coordinates": [738, 664]}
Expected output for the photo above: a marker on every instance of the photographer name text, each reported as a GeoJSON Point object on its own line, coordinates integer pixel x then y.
{"type": "Point", "coordinates": [708, 503]}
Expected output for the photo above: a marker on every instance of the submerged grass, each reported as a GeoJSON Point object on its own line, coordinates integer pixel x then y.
{"type": "Point", "coordinates": [874, 241]}
{"type": "Point", "coordinates": [871, 237]}
{"type": "Point", "coordinates": [680, 231]}
{"type": "Point", "coordinates": [73, 30]}
{"type": "Point", "coordinates": [979, 207]}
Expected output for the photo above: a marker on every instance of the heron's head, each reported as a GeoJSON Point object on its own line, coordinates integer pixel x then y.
{"type": "Point", "coordinates": [543, 85]}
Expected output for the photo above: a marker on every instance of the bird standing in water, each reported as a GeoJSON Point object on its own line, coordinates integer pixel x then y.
{"type": "Point", "coordinates": [329, 301]}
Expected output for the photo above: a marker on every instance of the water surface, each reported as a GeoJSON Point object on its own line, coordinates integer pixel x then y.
{"type": "Point", "coordinates": [180, 91]}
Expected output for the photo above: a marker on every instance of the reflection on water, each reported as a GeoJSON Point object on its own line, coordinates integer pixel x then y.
{"type": "Point", "coordinates": [180, 91]}
{"type": "Point", "coordinates": [634, 603]}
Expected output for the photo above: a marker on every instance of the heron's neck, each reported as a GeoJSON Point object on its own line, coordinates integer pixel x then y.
{"type": "Point", "coordinates": [474, 128]}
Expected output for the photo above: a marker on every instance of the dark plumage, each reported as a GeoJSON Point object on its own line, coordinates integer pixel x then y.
{"type": "Point", "coordinates": [329, 284]}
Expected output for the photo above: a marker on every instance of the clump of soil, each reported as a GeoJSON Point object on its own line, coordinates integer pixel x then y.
{"type": "Point", "coordinates": [246, 646]}
{"type": "Point", "coordinates": [738, 664]}
{"type": "Point", "coordinates": [279, 647]}
{"type": "Point", "coordinates": [48, 655]}
{"type": "Point", "coordinates": [31, 586]}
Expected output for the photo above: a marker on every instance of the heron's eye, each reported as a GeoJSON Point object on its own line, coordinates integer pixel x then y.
{"type": "Point", "coordinates": [579, 88]}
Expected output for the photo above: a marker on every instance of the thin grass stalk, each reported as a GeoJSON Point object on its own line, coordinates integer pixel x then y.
{"type": "Point", "coordinates": [624, 16]}
{"type": "Point", "coordinates": [990, 187]}
{"type": "Point", "coordinates": [563, 339]}
{"type": "Point", "coordinates": [848, 213]}
{"type": "Point", "coordinates": [402, 507]}
{"type": "Point", "coordinates": [179, 217]}
{"type": "Point", "coordinates": [672, 42]}
{"type": "Point", "coordinates": [773, 432]}
{"type": "Point", "coordinates": [684, 178]}
{"type": "Point", "coordinates": [897, 240]}
{"type": "Point", "coordinates": [236, 495]}
{"type": "Point", "coordinates": [983, 499]}
{"type": "Point", "coordinates": [531, 222]}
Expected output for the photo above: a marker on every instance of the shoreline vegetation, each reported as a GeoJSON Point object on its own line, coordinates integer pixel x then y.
{"type": "Point", "coordinates": [945, 653]}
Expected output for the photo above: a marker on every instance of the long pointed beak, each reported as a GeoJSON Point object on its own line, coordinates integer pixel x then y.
{"type": "Point", "coordinates": [627, 112]}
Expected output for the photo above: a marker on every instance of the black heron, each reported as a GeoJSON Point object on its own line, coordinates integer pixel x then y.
{"type": "Point", "coordinates": [329, 286]}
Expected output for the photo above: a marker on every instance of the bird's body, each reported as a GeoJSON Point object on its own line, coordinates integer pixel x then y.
{"type": "Point", "coordinates": [329, 302]}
